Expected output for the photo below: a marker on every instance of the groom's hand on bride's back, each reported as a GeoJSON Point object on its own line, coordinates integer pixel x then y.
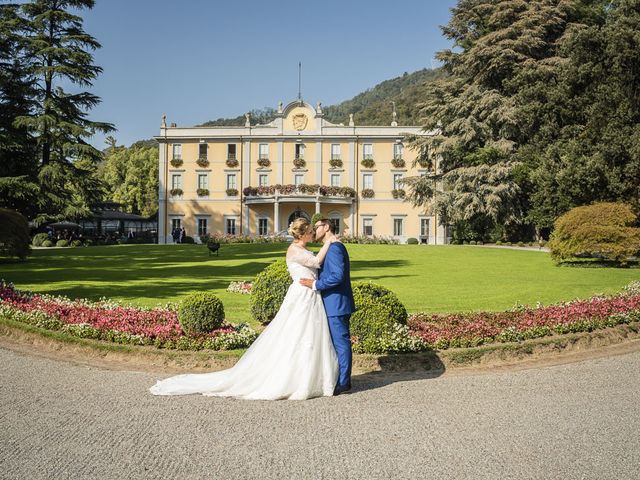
{"type": "Point", "coordinates": [307, 282]}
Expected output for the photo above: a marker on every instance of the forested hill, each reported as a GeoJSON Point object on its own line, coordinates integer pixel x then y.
{"type": "Point", "coordinates": [371, 107]}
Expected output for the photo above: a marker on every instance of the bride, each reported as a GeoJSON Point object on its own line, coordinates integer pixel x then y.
{"type": "Point", "coordinates": [293, 358]}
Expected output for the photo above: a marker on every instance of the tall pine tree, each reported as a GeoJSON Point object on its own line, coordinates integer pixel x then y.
{"type": "Point", "coordinates": [60, 50]}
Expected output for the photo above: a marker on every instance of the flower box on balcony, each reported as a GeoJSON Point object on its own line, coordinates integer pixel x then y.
{"type": "Point", "coordinates": [232, 162]}
{"type": "Point", "coordinates": [203, 192]}
{"type": "Point", "coordinates": [299, 162]}
{"type": "Point", "coordinates": [176, 192]}
{"type": "Point", "coordinates": [335, 162]}
{"type": "Point", "coordinates": [367, 193]}
{"type": "Point", "coordinates": [398, 162]}
{"type": "Point", "coordinates": [202, 161]}
{"type": "Point", "coordinates": [176, 162]}
{"type": "Point", "coordinates": [264, 162]}
{"type": "Point", "coordinates": [232, 192]}
{"type": "Point", "coordinates": [368, 163]}
{"type": "Point", "coordinates": [398, 193]}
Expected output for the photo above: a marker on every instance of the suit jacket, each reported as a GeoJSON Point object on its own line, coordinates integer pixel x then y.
{"type": "Point", "coordinates": [334, 282]}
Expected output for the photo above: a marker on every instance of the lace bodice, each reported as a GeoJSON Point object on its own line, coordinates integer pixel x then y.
{"type": "Point", "coordinates": [302, 264]}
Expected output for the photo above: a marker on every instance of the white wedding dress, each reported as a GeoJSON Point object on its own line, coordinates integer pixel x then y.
{"type": "Point", "coordinates": [293, 358]}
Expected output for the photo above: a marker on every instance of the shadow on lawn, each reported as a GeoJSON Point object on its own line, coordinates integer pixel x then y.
{"type": "Point", "coordinates": [425, 365]}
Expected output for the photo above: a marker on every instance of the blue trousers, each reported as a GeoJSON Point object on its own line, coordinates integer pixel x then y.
{"type": "Point", "coordinates": [339, 328]}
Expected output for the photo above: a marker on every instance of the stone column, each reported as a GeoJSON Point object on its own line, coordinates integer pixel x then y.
{"type": "Point", "coordinates": [319, 168]}
{"type": "Point", "coordinates": [317, 203]}
{"type": "Point", "coordinates": [352, 219]}
{"type": "Point", "coordinates": [280, 162]}
{"type": "Point", "coordinates": [276, 216]}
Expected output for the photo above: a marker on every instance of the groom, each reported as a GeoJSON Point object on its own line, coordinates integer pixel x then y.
{"type": "Point", "coordinates": [334, 284]}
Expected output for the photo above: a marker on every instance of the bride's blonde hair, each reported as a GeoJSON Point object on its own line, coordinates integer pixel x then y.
{"type": "Point", "coordinates": [299, 227]}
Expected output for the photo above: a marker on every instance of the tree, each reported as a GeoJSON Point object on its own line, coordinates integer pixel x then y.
{"type": "Point", "coordinates": [131, 177]}
{"type": "Point", "coordinates": [18, 165]}
{"type": "Point", "coordinates": [59, 49]}
{"type": "Point", "coordinates": [14, 234]}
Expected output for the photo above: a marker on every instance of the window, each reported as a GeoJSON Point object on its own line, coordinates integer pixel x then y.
{"type": "Point", "coordinates": [263, 150]}
{"type": "Point", "coordinates": [203, 181]}
{"type": "Point", "coordinates": [367, 180]}
{"type": "Point", "coordinates": [202, 150]}
{"type": "Point", "coordinates": [177, 150]}
{"type": "Point", "coordinates": [335, 151]}
{"type": "Point", "coordinates": [397, 226]}
{"type": "Point", "coordinates": [367, 151]}
{"type": "Point", "coordinates": [398, 150]}
{"type": "Point", "coordinates": [263, 226]}
{"type": "Point", "coordinates": [175, 223]}
{"type": "Point", "coordinates": [367, 226]}
{"type": "Point", "coordinates": [176, 181]}
{"type": "Point", "coordinates": [263, 180]}
{"type": "Point", "coordinates": [231, 151]}
{"type": "Point", "coordinates": [230, 226]}
{"type": "Point", "coordinates": [299, 150]}
{"type": "Point", "coordinates": [231, 180]}
{"type": "Point", "coordinates": [335, 179]}
{"type": "Point", "coordinates": [397, 178]}
{"type": "Point", "coordinates": [298, 179]}
{"type": "Point", "coordinates": [424, 229]}
{"type": "Point", "coordinates": [202, 226]}
{"type": "Point", "coordinates": [335, 221]}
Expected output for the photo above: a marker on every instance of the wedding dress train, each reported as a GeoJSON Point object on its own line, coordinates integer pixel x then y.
{"type": "Point", "coordinates": [293, 358]}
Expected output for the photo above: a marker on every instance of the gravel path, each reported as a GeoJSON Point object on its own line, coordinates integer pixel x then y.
{"type": "Point", "coordinates": [575, 421]}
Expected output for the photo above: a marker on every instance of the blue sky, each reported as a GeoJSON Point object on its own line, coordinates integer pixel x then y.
{"type": "Point", "coordinates": [198, 60]}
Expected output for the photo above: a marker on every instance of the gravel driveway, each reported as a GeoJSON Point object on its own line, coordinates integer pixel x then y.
{"type": "Point", "coordinates": [574, 421]}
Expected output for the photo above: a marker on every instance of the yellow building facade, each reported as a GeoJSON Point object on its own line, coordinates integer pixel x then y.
{"type": "Point", "coordinates": [256, 179]}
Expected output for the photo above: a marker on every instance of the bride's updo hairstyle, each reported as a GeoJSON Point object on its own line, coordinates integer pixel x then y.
{"type": "Point", "coordinates": [299, 227]}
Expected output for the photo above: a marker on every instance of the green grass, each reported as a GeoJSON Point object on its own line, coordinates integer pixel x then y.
{"type": "Point", "coordinates": [426, 278]}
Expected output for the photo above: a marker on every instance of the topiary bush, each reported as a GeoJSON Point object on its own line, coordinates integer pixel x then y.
{"type": "Point", "coordinates": [62, 243]}
{"type": "Point", "coordinates": [14, 234]}
{"type": "Point", "coordinates": [38, 238]}
{"type": "Point", "coordinates": [412, 241]}
{"type": "Point", "coordinates": [378, 313]}
{"type": "Point", "coordinates": [200, 312]}
{"type": "Point", "coordinates": [76, 243]}
{"type": "Point", "coordinates": [47, 243]}
{"type": "Point", "coordinates": [316, 217]}
{"type": "Point", "coordinates": [603, 230]}
{"type": "Point", "coordinates": [268, 292]}
{"type": "Point", "coordinates": [188, 239]}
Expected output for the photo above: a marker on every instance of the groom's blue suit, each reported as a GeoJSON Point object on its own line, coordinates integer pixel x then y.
{"type": "Point", "coordinates": [334, 284]}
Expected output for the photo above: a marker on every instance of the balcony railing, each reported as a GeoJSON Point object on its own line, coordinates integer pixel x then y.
{"type": "Point", "coordinates": [231, 156]}
{"type": "Point", "coordinates": [302, 189]}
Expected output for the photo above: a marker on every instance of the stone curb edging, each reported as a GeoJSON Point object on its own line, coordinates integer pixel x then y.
{"type": "Point", "coordinates": [38, 341]}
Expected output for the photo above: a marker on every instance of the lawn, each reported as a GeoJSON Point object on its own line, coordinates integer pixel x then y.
{"type": "Point", "coordinates": [426, 278]}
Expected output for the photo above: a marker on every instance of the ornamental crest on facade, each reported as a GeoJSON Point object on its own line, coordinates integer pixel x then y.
{"type": "Point", "coordinates": [300, 121]}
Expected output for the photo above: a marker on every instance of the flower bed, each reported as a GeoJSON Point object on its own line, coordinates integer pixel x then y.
{"type": "Point", "coordinates": [472, 329]}
{"type": "Point", "coordinates": [105, 320]}
{"type": "Point", "coordinates": [240, 287]}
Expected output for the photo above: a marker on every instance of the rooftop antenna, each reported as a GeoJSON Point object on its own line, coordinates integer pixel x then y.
{"type": "Point", "coordinates": [300, 82]}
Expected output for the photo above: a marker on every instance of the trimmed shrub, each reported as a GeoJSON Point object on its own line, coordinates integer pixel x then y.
{"type": "Point", "coordinates": [521, 244]}
{"type": "Point", "coordinates": [188, 239]}
{"type": "Point", "coordinates": [269, 290]}
{"type": "Point", "coordinates": [47, 243]}
{"type": "Point", "coordinates": [14, 234]}
{"type": "Point", "coordinates": [76, 243]}
{"type": "Point", "coordinates": [200, 312]}
{"type": "Point", "coordinates": [378, 312]}
{"type": "Point", "coordinates": [412, 241]}
{"type": "Point", "coordinates": [62, 243]}
{"type": "Point", "coordinates": [601, 230]}
{"type": "Point", "coordinates": [38, 238]}
{"type": "Point", "coordinates": [472, 242]}
{"type": "Point", "coordinates": [316, 217]}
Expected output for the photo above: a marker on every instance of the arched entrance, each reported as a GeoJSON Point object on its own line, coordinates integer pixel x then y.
{"type": "Point", "coordinates": [298, 214]}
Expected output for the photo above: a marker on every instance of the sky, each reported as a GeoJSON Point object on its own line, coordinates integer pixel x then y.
{"type": "Point", "coordinates": [198, 60]}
